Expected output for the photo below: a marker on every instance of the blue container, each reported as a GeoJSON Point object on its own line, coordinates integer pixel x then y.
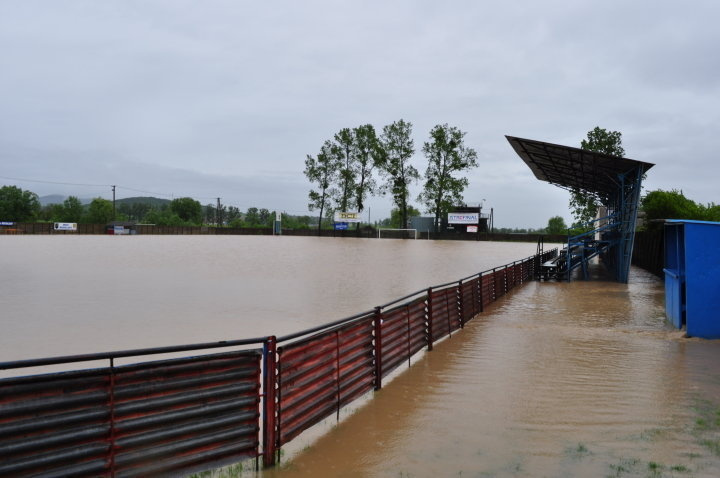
{"type": "Point", "coordinates": [692, 276]}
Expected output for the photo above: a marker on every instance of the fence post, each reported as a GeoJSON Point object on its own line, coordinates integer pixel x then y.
{"type": "Point", "coordinates": [480, 284]}
{"type": "Point", "coordinates": [460, 307]}
{"type": "Point", "coordinates": [377, 323]}
{"type": "Point", "coordinates": [429, 320]}
{"type": "Point", "coordinates": [269, 406]}
{"type": "Point", "coordinates": [113, 446]}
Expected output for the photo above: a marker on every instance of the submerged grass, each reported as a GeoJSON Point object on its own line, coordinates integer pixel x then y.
{"type": "Point", "coordinates": [625, 466]}
{"type": "Point", "coordinates": [578, 451]}
{"type": "Point", "coordinates": [707, 425]}
{"type": "Point", "coordinates": [634, 467]}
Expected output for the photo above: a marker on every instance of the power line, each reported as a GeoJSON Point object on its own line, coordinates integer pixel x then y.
{"type": "Point", "coordinates": [57, 182]}
{"type": "Point", "coordinates": [152, 193]}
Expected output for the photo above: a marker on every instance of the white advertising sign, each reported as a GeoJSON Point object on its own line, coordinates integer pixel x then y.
{"type": "Point", "coordinates": [472, 229]}
{"type": "Point", "coordinates": [347, 217]}
{"type": "Point", "coordinates": [66, 226]}
{"type": "Point", "coordinates": [463, 218]}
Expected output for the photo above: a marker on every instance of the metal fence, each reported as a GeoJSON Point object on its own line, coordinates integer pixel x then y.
{"type": "Point", "coordinates": [176, 416]}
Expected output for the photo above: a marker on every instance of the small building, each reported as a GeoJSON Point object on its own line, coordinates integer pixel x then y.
{"type": "Point", "coordinates": [120, 228]}
{"type": "Point", "coordinates": [466, 219]}
{"type": "Point", "coordinates": [459, 220]}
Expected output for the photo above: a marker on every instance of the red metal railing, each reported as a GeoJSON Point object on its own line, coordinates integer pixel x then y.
{"type": "Point", "coordinates": [181, 415]}
{"type": "Point", "coordinates": [320, 374]}
{"type": "Point", "coordinates": [158, 417]}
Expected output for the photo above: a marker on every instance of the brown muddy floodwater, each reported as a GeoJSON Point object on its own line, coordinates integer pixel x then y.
{"type": "Point", "coordinates": [62, 295]}
{"type": "Point", "coordinates": [554, 379]}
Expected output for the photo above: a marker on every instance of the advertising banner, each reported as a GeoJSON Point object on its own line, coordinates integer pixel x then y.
{"type": "Point", "coordinates": [347, 217]}
{"type": "Point", "coordinates": [66, 226]}
{"type": "Point", "coordinates": [463, 218]}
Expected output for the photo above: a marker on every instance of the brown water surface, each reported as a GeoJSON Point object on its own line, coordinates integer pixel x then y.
{"type": "Point", "coordinates": [62, 295]}
{"type": "Point", "coordinates": [556, 380]}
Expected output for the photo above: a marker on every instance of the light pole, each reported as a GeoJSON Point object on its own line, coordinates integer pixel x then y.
{"type": "Point", "coordinates": [482, 202]}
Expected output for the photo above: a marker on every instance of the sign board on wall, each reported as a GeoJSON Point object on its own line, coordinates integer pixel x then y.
{"type": "Point", "coordinates": [463, 218]}
{"type": "Point", "coordinates": [472, 229]}
{"type": "Point", "coordinates": [347, 217]}
{"type": "Point", "coordinates": [341, 226]}
{"type": "Point", "coordinates": [66, 226]}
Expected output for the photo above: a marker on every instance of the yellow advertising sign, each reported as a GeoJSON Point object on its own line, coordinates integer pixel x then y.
{"type": "Point", "coordinates": [347, 217]}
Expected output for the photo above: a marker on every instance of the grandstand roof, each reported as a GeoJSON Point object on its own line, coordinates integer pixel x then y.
{"type": "Point", "coordinates": [571, 168]}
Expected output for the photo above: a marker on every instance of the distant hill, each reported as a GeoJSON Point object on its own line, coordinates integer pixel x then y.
{"type": "Point", "coordinates": [155, 202]}
{"type": "Point", "coordinates": [52, 199]}
{"type": "Point", "coordinates": [59, 199]}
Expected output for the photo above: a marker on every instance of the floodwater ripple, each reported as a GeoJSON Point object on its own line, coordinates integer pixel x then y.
{"type": "Point", "coordinates": [555, 379]}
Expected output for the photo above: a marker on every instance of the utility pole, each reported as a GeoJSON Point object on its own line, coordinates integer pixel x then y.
{"type": "Point", "coordinates": [113, 188]}
{"type": "Point", "coordinates": [217, 213]}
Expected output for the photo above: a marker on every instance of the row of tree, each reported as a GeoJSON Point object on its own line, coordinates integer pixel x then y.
{"type": "Point", "coordinates": [342, 173]}
{"type": "Point", "coordinates": [673, 204]}
{"type": "Point", "coordinates": [19, 205]}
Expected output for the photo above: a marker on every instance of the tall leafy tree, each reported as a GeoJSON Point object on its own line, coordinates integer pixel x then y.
{"type": "Point", "coordinates": [584, 205]}
{"type": "Point", "coordinates": [72, 210]}
{"type": "Point", "coordinates": [395, 219]}
{"type": "Point", "coordinates": [17, 205]}
{"type": "Point", "coordinates": [136, 210]}
{"type": "Point", "coordinates": [322, 171]}
{"type": "Point", "coordinates": [265, 217]}
{"type": "Point", "coordinates": [397, 148]}
{"type": "Point", "coordinates": [673, 204]}
{"type": "Point", "coordinates": [188, 209]}
{"type": "Point", "coordinates": [367, 154]}
{"type": "Point", "coordinates": [345, 141]}
{"type": "Point", "coordinates": [100, 211]}
{"type": "Point", "coordinates": [447, 156]}
{"type": "Point", "coordinates": [252, 217]}
{"type": "Point", "coordinates": [233, 214]}
{"type": "Point", "coordinates": [556, 225]}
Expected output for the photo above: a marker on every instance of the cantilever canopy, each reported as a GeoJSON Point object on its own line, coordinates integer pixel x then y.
{"type": "Point", "coordinates": [571, 168]}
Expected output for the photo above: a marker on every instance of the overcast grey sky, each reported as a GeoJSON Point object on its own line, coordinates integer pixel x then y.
{"type": "Point", "coordinates": [226, 98]}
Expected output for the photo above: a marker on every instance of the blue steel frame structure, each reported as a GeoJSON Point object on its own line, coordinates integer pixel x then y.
{"type": "Point", "coordinates": [616, 182]}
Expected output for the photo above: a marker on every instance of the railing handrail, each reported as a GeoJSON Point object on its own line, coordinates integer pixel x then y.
{"type": "Point", "coordinates": [127, 353]}
{"type": "Point", "coordinates": [322, 327]}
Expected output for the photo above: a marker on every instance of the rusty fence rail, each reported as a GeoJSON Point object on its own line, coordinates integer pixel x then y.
{"type": "Point", "coordinates": [180, 415]}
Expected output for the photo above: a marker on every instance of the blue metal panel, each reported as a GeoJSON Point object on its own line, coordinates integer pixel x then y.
{"type": "Point", "coordinates": [702, 286]}
{"type": "Point", "coordinates": [675, 274]}
{"type": "Point", "coordinates": [673, 298]}
{"type": "Point", "coordinates": [692, 276]}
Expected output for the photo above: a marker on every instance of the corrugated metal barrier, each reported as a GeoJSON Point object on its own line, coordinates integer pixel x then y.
{"type": "Point", "coordinates": [176, 416]}
{"type": "Point", "coordinates": [146, 419]}
{"type": "Point", "coordinates": [320, 374]}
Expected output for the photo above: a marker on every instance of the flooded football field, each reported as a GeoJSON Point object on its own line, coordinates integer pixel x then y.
{"type": "Point", "coordinates": [554, 379]}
